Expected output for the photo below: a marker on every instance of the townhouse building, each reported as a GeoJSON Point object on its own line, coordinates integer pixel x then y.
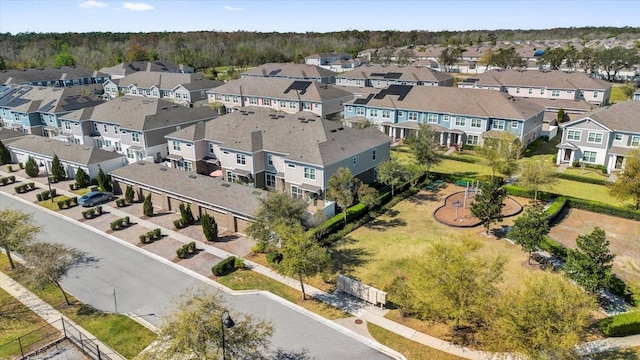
{"type": "Point", "coordinates": [381, 76]}
{"type": "Point", "coordinates": [552, 84]}
{"type": "Point", "coordinates": [293, 153]}
{"type": "Point", "coordinates": [293, 71]}
{"type": "Point", "coordinates": [461, 116]}
{"type": "Point", "coordinates": [184, 89]}
{"type": "Point", "coordinates": [335, 61]}
{"type": "Point", "coordinates": [289, 96]}
{"type": "Point", "coordinates": [132, 126]}
{"type": "Point", "coordinates": [636, 95]}
{"type": "Point", "coordinates": [54, 77]}
{"type": "Point", "coordinates": [604, 136]}
{"type": "Point", "coordinates": [123, 69]}
{"type": "Point", "coordinates": [37, 110]}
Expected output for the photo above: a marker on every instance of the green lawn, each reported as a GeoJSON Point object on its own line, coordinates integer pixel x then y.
{"type": "Point", "coordinates": [52, 204]}
{"type": "Point", "coordinates": [411, 349]}
{"type": "Point", "coordinates": [617, 95]}
{"type": "Point", "coordinates": [590, 173]}
{"type": "Point", "coordinates": [120, 332]}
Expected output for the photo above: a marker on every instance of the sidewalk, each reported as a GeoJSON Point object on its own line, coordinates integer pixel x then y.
{"type": "Point", "coordinates": [46, 311]}
{"type": "Point", "coordinates": [353, 306]}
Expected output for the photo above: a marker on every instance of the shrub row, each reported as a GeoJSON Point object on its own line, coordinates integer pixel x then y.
{"type": "Point", "coordinates": [9, 168]}
{"type": "Point", "coordinates": [120, 224]}
{"type": "Point", "coordinates": [555, 209]}
{"type": "Point", "coordinates": [514, 190]}
{"type": "Point", "coordinates": [461, 158]}
{"type": "Point", "coordinates": [186, 250]}
{"type": "Point", "coordinates": [603, 208]}
{"type": "Point", "coordinates": [121, 202]}
{"type": "Point", "coordinates": [224, 267]}
{"type": "Point", "coordinates": [65, 204]}
{"type": "Point", "coordinates": [583, 179]}
{"type": "Point", "coordinates": [46, 195]}
{"type": "Point", "coordinates": [274, 258]}
{"type": "Point", "coordinates": [151, 236]}
{"type": "Point", "coordinates": [7, 180]}
{"type": "Point", "coordinates": [550, 246]}
{"type": "Point", "coordinates": [621, 325]}
{"type": "Point", "coordinates": [93, 212]}
{"type": "Point", "coordinates": [602, 168]}
{"type": "Point", "coordinates": [180, 223]}
{"type": "Point", "coordinates": [25, 187]}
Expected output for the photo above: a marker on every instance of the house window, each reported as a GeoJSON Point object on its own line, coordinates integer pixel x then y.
{"type": "Point", "coordinates": [219, 97]}
{"type": "Point", "coordinates": [266, 102]}
{"type": "Point", "coordinates": [135, 137]}
{"type": "Point", "coordinates": [95, 126]}
{"type": "Point", "coordinates": [498, 125]}
{"type": "Point", "coordinates": [236, 99]}
{"type": "Point", "coordinates": [476, 123]}
{"type": "Point", "coordinates": [270, 181]}
{"type": "Point", "coordinates": [292, 166]}
{"type": "Point", "coordinates": [360, 111]}
{"type": "Point", "coordinates": [530, 91]}
{"type": "Point", "coordinates": [618, 137]}
{"type": "Point", "coordinates": [176, 145]}
{"type": "Point", "coordinates": [386, 114]}
{"type": "Point", "coordinates": [595, 94]}
{"type": "Point", "coordinates": [293, 104]}
{"type": "Point", "coordinates": [355, 161]}
{"type": "Point", "coordinates": [241, 159]}
{"type": "Point", "coordinates": [400, 113]}
{"type": "Point", "coordinates": [460, 121]}
{"type": "Point", "coordinates": [306, 106]}
{"type": "Point", "coordinates": [227, 98]}
{"type": "Point", "coordinates": [211, 148]}
{"type": "Point", "coordinates": [432, 118]}
{"type": "Point", "coordinates": [514, 124]}
{"type": "Point", "coordinates": [635, 140]}
{"type": "Point", "coordinates": [310, 173]}
{"type": "Point", "coordinates": [541, 91]}
{"type": "Point", "coordinates": [373, 154]}
{"type": "Point", "coordinates": [413, 116]}
{"type": "Point", "coordinates": [589, 156]}
{"type": "Point", "coordinates": [107, 143]}
{"type": "Point", "coordinates": [283, 103]}
{"type": "Point", "coordinates": [297, 193]}
{"type": "Point", "coordinates": [118, 146]}
{"type": "Point", "coordinates": [574, 135]}
{"type": "Point", "coordinates": [270, 159]}
{"type": "Point", "coordinates": [67, 125]}
{"type": "Point", "coordinates": [253, 101]}
{"type": "Point", "coordinates": [517, 90]}
{"type": "Point", "coordinates": [594, 137]}
{"type": "Point", "coordinates": [130, 154]}
{"type": "Point", "coordinates": [472, 139]}
{"type": "Point", "coordinates": [555, 93]}
{"type": "Point", "coordinates": [445, 117]}
{"type": "Point", "coordinates": [115, 129]}
{"type": "Point", "coordinates": [231, 176]}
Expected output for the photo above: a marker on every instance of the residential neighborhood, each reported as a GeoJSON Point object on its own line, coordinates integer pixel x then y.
{"type": "Point", "coordinates": [299, 191]}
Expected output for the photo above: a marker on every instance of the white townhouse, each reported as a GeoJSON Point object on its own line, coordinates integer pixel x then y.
{"type": "Point", "coordinates": [380, 76]}
{"type": "Point", "coordinates": [293, 71]}
{"type": "Point", "coordinates": [123, 69]}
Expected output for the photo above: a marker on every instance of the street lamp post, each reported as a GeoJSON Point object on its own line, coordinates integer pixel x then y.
{"type": "Point", "coordinates": [46, 172]}
{"type": "Point", "coordinates": [226, 322]}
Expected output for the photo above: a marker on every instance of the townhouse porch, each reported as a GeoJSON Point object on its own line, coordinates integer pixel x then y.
{"type": "Point", "coordinates": [446, 137]}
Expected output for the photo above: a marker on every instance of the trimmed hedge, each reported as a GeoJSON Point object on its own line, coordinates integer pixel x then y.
{"type": "Point", "coordinates": [621, 325]}
{"type": "Point", "coordinates": [461, 158]}
{"type": "Point", "coordinates": [514, 190]}
{"type": "Point", "coordinates": [65, 204]}
{"type": "Point", "coordinates": [582, 179]}
{"type": "Point", "coordinates": [119, 224]}
{"type": "Point", "coordinates": [224, 267]}
{"type": "Point", "coordinates": [554, 248]}
{"type": "Point", "coordinates": [121, 203]}
{"type": "Point", "coordinates": [153, 235]}
{"type": "Point", "coordinates": [555, 209]}
{"type": "Point", "coordinates": [603, 208]}
{"type": "Point", "coordinates": [186, 250]}
{"type": "Point", "coordinates": [7, 180]}
{"type": "Point", "coordinates": [179, 224]}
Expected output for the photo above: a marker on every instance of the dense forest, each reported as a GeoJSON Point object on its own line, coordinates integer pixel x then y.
{"type": "Point", "coordinates": [208, 49]}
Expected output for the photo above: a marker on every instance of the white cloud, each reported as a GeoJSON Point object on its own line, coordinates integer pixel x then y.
{"type": "Point", "coordinates": [137, 6]}
{"type": "Point", "coordinates": [90, 4]}
{"type": "Point", "coordinates": [231, 8]}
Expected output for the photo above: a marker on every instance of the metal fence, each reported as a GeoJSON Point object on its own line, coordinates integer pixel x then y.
{"type": "Point", "coordinates": [43, 338]}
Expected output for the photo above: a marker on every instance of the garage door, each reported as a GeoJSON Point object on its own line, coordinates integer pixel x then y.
{"type": "Point", "coordinates": [241, 225]}
{"type": "Point", "coordinates": [156, 198]}
{"type": "Point", "coordinates": [174, 205]}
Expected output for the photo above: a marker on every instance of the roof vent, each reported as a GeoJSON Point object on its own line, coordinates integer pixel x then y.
{"type": "Point", "coordinates": [141, 163]}
{"type": "Point", "coordinates": [256, 193]}
{"type": "Point", "coordinates": [192, 176]}
{"type": "Point", "coordinates": [163, 169]}
{"type": "Point", "coordinates": [226, 184]}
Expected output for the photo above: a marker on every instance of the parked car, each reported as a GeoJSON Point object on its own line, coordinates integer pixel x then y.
{"type": "Point", "coordinates": [94, 198]}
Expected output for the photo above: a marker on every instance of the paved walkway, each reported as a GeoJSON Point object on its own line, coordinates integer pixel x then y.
{"type": "Point", "coordinates": [353, 306]}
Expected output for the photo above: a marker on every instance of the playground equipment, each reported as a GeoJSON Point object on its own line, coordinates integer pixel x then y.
{"type": "Point", "coordinates": [470, 192]}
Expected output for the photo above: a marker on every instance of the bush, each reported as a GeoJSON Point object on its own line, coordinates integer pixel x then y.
{"type": "Point", "coordinates": [32, 185]}
{"type": "Point", "coordinates": [128, 194]}
{"type": "Point", "coordinates": [115, 225]}
{"type": "Point", "coordinates": [147, 206]}
{"type": "Point", "coordinates": [143, 239]}
{"type": "Point", "coordinates": [181, 252]}
{"type": "Point", "coordinates": [260, 247]}
{"type": "Point", "coordinates": [274, 258]}
{"type": "Point", "coordinates": [21, 165]}
{"type": "Point", "coordinates": [73, 186]}
{"type": "Point", "coordinates": [514, 190]}
{"type": "Point", "coordinates": [461, 158]}
{"type": "Point", "coordinates": [82, 178]}
{"type": "Point", "coordinates": [555, 209]}
{"type": "Point", "coordinates": [4, 181]}
{"type": "Point", "coordinates": [621, 325]}
{"type": "Point", "coordinates": [21, 188]}
{"type": "Point", "coordinates": [9, 168]}
{"type": "Point", "coordinates": [99, 210]}
{"type": "Point", "coordinates": [120, 202]}
{"type": "Point", "coordinates": [157, 233]}
{"type": "Point", "coordinates": [554, 248]}
{"type": "Point", "coordinates": [224, 267]}
{"type": "Point", "coordinates": [126, 220]}
{"type": "Point", "coordinates": [583, 179]}
{"type": "Point", "coordinates": [74, 201]}
{"type": "Point", "coordinates": [178, 224]}
{"type": "Point", "coordinates": [186, 249]}
{"type": "Point", "coordinates": [238, 263]}
{"type": "Point", "coordinates": [61, 204]}
{"type": "Point", "coordinates": [12, 179]}
{"type": "Point", "coordinates": [31, 168]}
{"type": "Point", "coordinates": [602, 208]}
{"type": "Point", "coordinates": [39, 197]}
{"type": "Point", "coordinates": [209, 227]}
{"type": "Point", "coordinates": [89, 214]}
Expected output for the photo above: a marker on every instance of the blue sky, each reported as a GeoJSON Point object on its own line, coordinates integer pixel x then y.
{"type": "Point", "coordinates": [309, 16]}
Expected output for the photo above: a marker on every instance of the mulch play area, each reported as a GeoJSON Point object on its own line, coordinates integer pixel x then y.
{"type": "Point", "coordinates": [456, 210]}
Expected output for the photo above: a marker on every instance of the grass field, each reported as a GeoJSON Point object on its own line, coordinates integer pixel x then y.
{"type": "Point", "coordinates": [617, 95]}
{"type": "Point", "coordinates": [120, 332]}
{"type": "Point", "coordinates": [411, 349]}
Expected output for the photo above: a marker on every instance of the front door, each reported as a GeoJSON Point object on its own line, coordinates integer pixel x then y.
{"type": "Point", "coordinates": [567, 155]}
{"type": "Point", "coordinates": [619, 160]}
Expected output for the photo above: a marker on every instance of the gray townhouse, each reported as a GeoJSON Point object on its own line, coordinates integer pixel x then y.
{"type": "Point", "coordinates": [293, 71]}
{"type": "Point", "coordinates": [123, 69]}
{"type": "Point", "coordinates": [461, 116]}
{"type": "Point", "coordinates": [381, 76]}
{"type": "Point", "coordinates": [636, 95]}
{"type": "Point", "coordinates": [37, 110]}
{"type": "Point", "coordinates": [54, 77]}
{"type": "Point", "coordinates": [132, 126]}
{"type": "Point", "coordinates": [604, 136]}
{"type": "Point", "coordinates": [72, 156]}
{"type": "Point", "coordinates": [184, 89]}
{"type": "Point", "coordinates": [550, 84]}
{"type": "Point", "coordinates": [286, 95]}
{"type": "Point", "coordinates": [293, 153]}
{"type": "Point", "coordinates": [335, 61]}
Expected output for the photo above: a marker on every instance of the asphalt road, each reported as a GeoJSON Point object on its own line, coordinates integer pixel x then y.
{"type": "Point", "coordinates": [146, 287]}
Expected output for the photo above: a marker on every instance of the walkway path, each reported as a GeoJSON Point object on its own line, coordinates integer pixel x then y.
{"type": "Point", "coordinates": [337, 299]}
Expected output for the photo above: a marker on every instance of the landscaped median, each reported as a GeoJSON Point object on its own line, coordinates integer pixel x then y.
{"type": "Point", "coordinates": [119, 332]}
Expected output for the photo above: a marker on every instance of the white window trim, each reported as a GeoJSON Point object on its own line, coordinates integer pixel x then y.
{"type": "Point", "coordinates": [595, 135]}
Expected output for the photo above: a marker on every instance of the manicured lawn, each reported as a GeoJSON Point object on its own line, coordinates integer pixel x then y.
{"type": "Point", "coordinates": [250, 280]}
{"type": "Point", "coordinates": [590, 173]}
{"type": "Point", "coordinates": [52, 205]}
{"type": "Point", "coordinates": [617, 96]}
{"type": "Point", "coordinates": [447, 166]}
{"type": "Point", "coordinates": [120, 332]}
{"type": "Point", "coordinates": [81, 191]}
{"type": "Point", "coordinates": [411, 349]}
{"type": "Point", "coordinates": [585, 191]}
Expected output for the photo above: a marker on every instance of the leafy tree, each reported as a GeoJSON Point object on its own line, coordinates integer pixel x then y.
{"type": "Point", "coordinates": [48, 263]}
{"type": "Point", "coordinates": [104, 180]}
{"type": "Point", "coordinates": [561, 116]}
{"type": "Point", "coordinates": [553, 57]}
{"type": "Point", "coordinates": [342, 189]}
{"type": "Point", "coordinates": [368, 196]}
{"type": "Point", "coordinates": [82, 178]}
{"type": "Point", "coordinates": [147, 206]}
{"type": "Point", "coordinates": [277, 208]}
{"type": "Point", "coordinates": [537, 174]}
{"type": "Point", "coordinates": [209, 227]}
{"type": "Point", "coordinates": [545, 317]}
{"type": "Point", "coordinates": [3, 65]}
{"type": "Point", "coordinates": [627, 184]}
{"type": "Point", "coordinates": [31, 167]}
{"type": "Point", "coordinates": [136, 52]}
{"type": "Point", "coordinates": [590, 264]}
{"type": "Point", "coordinates": [449, 56]}
{"type": "Point", "coordinates": [17, 230]}
{"type": "Point", "coordinates": [57, 170]}
{"type": "Point", "coordinates": [5, 155]}
{"type": "Point", "coordinates": [193, 330]}
{"type": "Point", "coordinates": [628, 89]}
{"type": "Point", "coordinates": [405, 56]}
{"type": "Point", "coordinates": [506, 58]}
{"type": "Point", "coordinates": [301, 254]}
{"type": "Point", "coordinates": [614, 59]}
{"type": "Point", "coordinates": [487, 205]}
{"type": "Point", "coordinates": [128, 194]}
{"type": "Point", "coordinates": [571, 56]}
{"type": "Point", "coordinates": [529, 229]}
{"type": "Point", "coordinates": [64, 57]}
{"type": "Point", "coordinates": [502, 151]}
{"type": "Point", "coordinates": [391, 172]}
{"type": "Point", "coordinates": [423, 147]}
{"type": "Point", "coordinates": [451, 281]}
{"type": "Point", "coordinates": [588, 60]}
{"type": "Point", "coordinates": [487, 58]}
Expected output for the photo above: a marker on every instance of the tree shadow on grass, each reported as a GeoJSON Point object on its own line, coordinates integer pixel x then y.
{"type": "Point", "coordinates": [381, 224]}
{"type": "Point", "coordinates": [344, 260]}
{"type": "Point", "coordinates": [622, 354]}
{"type": "Point", "coordinates": [423, 197]}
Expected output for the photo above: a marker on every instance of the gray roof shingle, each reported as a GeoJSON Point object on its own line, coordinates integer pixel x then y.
{"type": "Point", "coordinates": [26, 76]}
{"type": "Point", "coordinates": [624, 116]}
{"type": "Point", "coordinates": [50, 99]}
{"type": "Point", "coordinates": [408, 73]}
{"type": "Point", "coordinates": [299, 71]}
{"type": "Point", "coordinates": [74, 153]}
{"type": "Point", "coordinates": [551, 79]}
{"type": "Point", "coordinates": [275, 88]}
{"type": "Point", "coordinates": [167, 80]}
{"type": "Point", "coordinates": [127, 68]}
